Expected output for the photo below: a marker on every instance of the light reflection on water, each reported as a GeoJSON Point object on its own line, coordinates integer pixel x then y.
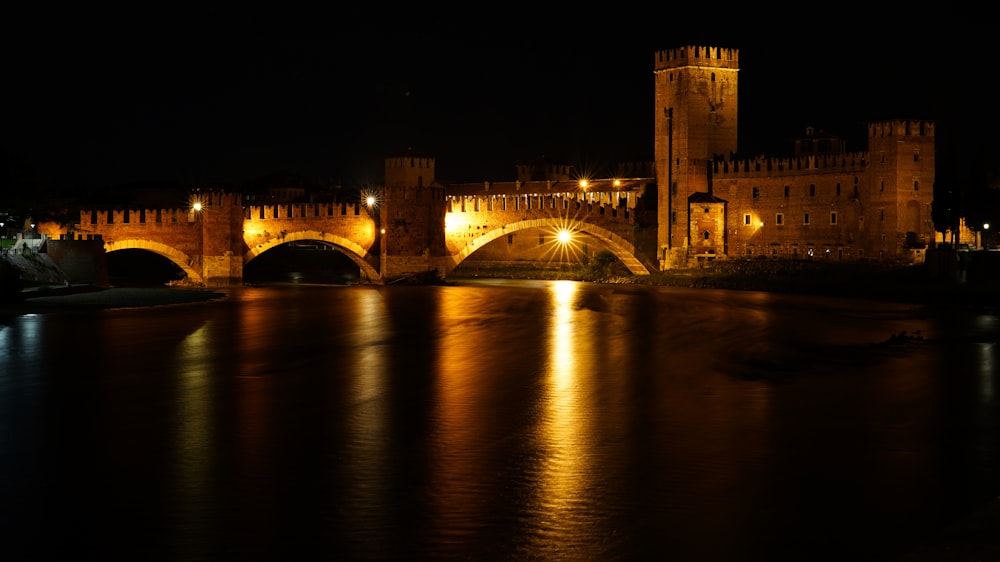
{"type": "Point", "coordinates": [497, 421]}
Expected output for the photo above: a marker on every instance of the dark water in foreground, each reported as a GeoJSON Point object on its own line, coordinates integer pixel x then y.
{"type": "Point", "coordinates": [494, 421]}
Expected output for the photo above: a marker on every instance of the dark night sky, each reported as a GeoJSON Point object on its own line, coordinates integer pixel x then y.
{"type": "Point", "coordinates": [209, 108]}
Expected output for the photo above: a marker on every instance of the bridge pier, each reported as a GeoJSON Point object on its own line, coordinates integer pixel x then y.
{"type": "Point", "coordinates": [222, 239]}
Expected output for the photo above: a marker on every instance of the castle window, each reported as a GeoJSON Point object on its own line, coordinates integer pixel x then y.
{"type": "Point", "coordinates": [673, 217]}
{"type": "Point", "coordinates": [510, 239]}
{"type": "Point", "coordinates": [812, 190]}
{"type": "Point", "coordinates": [503, 203]}
{"type": "Point", "coordinates": [881, 186]}
{"type": "Point", "coordinates": [713, 77]}
{"type": "Point", "coordinates": [706, 209]}
{"type": "Point", "coordinates": [881, 158]}
{"type": "Point", "coordinates": [706, 235]}
{"type": "Point", "coordinates": [916, 155]}
{"type": "Point", "coordinates": [805, 218]}
{"type": "Point", "coordinates": [779, 219]}
{"type": "Point", "coordinates": [838, 189]}
{"type": "Point", "coordinates": [756, 192]}
{"type": "Point", "coordinates": [788, 191]}
{"type": "Point", "coordinates": [746, 219]}
{"type": "Point", "coordinates": [833, 217]}
{"type": "Point", "coordinates": [673, 188]}
{"type": "Point", "coordinates": [881, 215]}
{"type": "Point", "coordinates": [916, 185]}
{"type": "Point", "coordinates": [671, 75]}
{"type": "Point", "coordinates": [541, 240]}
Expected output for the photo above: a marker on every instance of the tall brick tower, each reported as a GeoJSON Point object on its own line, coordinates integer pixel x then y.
{"type": "Point", "coordinates": [412, 216]}
{"type": "Point", "coordinates": [695, 119]}
{"type": "Point", "coordinates": [901, 175]}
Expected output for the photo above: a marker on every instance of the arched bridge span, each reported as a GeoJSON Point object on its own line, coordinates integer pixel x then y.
{"type": "Point", "coordinates": [185, 262]}
{"type": "Point", "coordinates": [352, 250]}
{"type": "Point", "coordinates": [621, 248]}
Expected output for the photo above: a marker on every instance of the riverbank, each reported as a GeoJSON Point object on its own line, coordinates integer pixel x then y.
{"type": "Point", "coordinates": [87, 297]}
{"type": "Point", "coordinates": [912, 284]}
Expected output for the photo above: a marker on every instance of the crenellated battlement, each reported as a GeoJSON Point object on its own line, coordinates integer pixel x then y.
{"type": "Point", "coordinates": [534, 172]}
{"type": "Point", "coordinates": [718, 57]}
{"type": "Point", "coordinates": [901, 128]}
{"type": "Point", "coordinates": [304, 210]}
{"type": "Point", "coordinates": [409, 162]}
{"type": "Point", "coordinates": [95, 217]}
{"type": "Point", "coordinates": [763, 166]}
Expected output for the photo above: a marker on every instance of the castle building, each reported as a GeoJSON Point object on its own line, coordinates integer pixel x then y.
{"type": "Point", "coordinates": [821, 203]}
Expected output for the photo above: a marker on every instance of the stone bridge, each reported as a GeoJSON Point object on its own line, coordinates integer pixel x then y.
{"type": "Point", "coordinates": [409, 229]}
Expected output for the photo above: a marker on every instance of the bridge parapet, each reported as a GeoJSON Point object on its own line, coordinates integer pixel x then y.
{"type": "Point", "coordinates": [178, 228]}
{"type": "Point", "coordinates": [348, 220]}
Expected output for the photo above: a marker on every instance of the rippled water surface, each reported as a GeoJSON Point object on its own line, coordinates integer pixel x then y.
{"type": "Point", "coordinates": [495, 420]}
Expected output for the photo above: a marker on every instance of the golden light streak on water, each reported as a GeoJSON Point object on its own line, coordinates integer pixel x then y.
{"type": "Point", "coordinates": [565, 473]}
{"type": "Point", "coordinates": [194, 439]}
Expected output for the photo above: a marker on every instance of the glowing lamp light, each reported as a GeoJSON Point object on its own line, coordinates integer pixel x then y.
{"type": "Point", "coordinates": [564, 236]}
{"type": "Point", "coordinates": [584, 184]}
{"type": "Point", "coordinates": [370, 197]}
{"type": "Point", "coordinates": [986, 226]}
{"type": "Point", "coordinates": [196, 206]}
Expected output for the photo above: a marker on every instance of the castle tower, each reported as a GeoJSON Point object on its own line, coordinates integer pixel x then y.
{"type": "Point", "coordinates": [695, 119]}
{"type": "Point", "coordinates": [901, 169]}
{"type": "Point", "coordinates": [412, 217]}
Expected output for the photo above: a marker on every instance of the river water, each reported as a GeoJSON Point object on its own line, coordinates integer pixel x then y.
{"type": "Point", "coordinates": [495, 420]}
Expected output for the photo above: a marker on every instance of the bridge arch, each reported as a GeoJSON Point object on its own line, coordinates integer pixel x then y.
{"type": "Point", "coordinates": [620, 247]}
{"type": "Point", "coordinates": [176, 256]}
{"type": "Point", "coordinates": [352, 250]}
